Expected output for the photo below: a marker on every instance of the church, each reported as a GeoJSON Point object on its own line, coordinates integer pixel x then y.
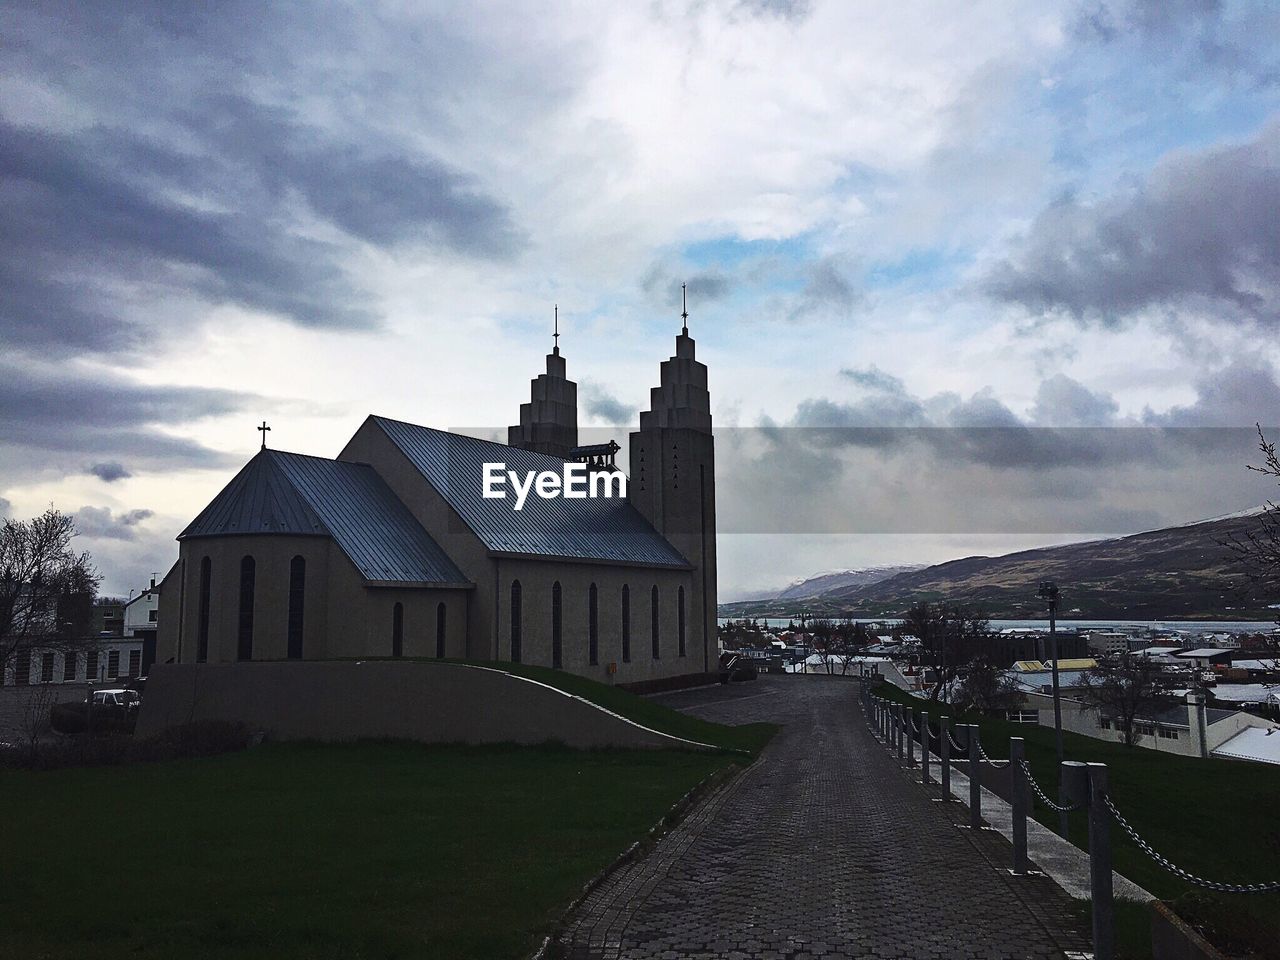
{"type": "Point", "coordinates": [392, 550]}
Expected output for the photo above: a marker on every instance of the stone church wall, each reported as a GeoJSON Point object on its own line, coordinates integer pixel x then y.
{"type": "Point", "coordinates": [398, 699]}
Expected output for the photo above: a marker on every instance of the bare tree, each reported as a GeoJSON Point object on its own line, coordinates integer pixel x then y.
{"type": "Point", "coordinates": [986, 688]}
{"type": "Point", "coordinates": [45, 587]}
{"type": "Point", "coordinates": [950, 637]}
{"type": "Point", "coordinates": [1124, 688]}
{"type": "Point", "coordinates": [1258, 547]}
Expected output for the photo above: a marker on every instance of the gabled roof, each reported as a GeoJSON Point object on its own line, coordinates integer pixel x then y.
{"type": "Point", "coordinates": [593, 528]}
{"type": "Point", "coordinates": [290, 493]}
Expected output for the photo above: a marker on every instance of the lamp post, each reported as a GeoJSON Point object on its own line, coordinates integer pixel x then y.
{"type": "Point", "coordinates": [1049, 591]}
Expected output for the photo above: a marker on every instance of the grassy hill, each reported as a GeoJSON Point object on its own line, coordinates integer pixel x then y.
{"type": "Point", "coordinates": [1175, 573]}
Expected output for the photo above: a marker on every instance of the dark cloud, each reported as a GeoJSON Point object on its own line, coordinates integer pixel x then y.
{"type": "Point", "coordinates": [603, 406]}
{"type": "Point", "coordinates": [792, 10]}
{"type": "Point", "coordinates": [58, 416]}
{"type": "Point", "coordinates": [108, 471]}
{"type": "Point", "coordinates": [873, 378]}
{"type": "Point", "coordinates": [1063, 402]}
{"type": "Point", "coordinates": [1201, 232]}
{"type": "Point", "coordinates": [704, 286]}
{"type": "Point", "coordinates": [101, 523]}
{"type": "Point", "coordinates": [181, 194]}
{"type": "Point", "coordinates": [1241, 393]}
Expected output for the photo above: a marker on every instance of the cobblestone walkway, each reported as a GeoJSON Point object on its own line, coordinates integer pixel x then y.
{"type": "Point", "coordinates": [823, 848]}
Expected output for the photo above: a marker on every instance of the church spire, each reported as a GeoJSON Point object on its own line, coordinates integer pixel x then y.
{"type": "Point", "coordinates": [549, 421]}
{"type": "Point", "coordinates": [684, 309]}
{"type": "Point", "coordinates": [556, 335]}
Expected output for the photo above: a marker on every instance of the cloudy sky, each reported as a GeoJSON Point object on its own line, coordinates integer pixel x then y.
{"type": "Point", "coordinates": [968, 277]}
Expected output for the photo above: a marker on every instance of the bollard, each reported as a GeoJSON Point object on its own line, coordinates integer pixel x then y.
{"type": "Point", "coordinates": [975, 779]}
{"type": "Point", "coordinates": [1018, 796]}
{"type": "Point", "coordinates": [924, 746]}
{"type": "Point", "coordinates": [911, 739]}
{"type": "Point", "coordinates": [1100, 865]}
{"type": "Point", "coordinates": [944, 753]}
{"type": "Point", "coordinates": [897, 717]}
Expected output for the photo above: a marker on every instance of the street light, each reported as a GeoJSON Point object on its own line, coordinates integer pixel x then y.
{"type": "Point", "coordinates": [1049, 591]}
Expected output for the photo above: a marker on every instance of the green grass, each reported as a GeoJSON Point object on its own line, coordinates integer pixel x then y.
{"type": "Point", "coordinates": [749, 738]}
{"type": "Point", "coordinates": [388, 850]}
{"type": "Point", "coordinates": [1216, 818]}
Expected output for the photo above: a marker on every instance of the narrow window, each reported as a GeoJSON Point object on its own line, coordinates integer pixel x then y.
{"type": "Point", "coordinates": [557, 651]}
{"type": "Point", "coordinates": [517, 621]}
{"type": "Point", "coordinates": [244, 646]}
{"type": "Point", "coordinates": [46, 668]}
{"type": "Point", "coordinates": [654, 622]}
{"type": "Point", "coordinates": [440, 631]}
{"type": "Point", "coordinates": [135, 662]}
{"type": "Point", "coordinates": [113, 664]}
{"type": "Point", "coordinates": [680, 619]}
{"type": "Point", "coordinates": [593, 627]}
{"type": "Point", "coordinates": [297, 601]}
{"type": "Point", "coordinates": [202, 624]}
{"type": "Point", "coordinates": [626, 623]}
{"type": "Point", "coordinates": [91, 666]}
{"type": "Point", "coordinates": [22, 669]}
{"type": "Point", "coordinates": [397, 630]}
{"type": "Point", "coordinates": [68, 666]}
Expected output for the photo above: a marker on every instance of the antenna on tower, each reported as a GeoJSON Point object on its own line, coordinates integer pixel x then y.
{"type": "Point", "coordinates": [684, 309]}
{"type": "Point", "coordinates": [556, 334]}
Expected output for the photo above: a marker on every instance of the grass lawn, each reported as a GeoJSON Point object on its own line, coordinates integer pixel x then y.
{"type": "Point", "coordinates": [1216, 818]}
{"type": "Point", "coordinates": [321, 851]}
{"type": "Point", "coordinates": [749, 738]}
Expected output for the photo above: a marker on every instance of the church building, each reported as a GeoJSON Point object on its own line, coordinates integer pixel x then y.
{"type": "Point", "coordinates": [392, 550]}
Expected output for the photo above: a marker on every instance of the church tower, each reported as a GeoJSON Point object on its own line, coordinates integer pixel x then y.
{"type": "Point", "coordinates": [549, 421]}
{"type": "Point", "coordinates": [673, 479]}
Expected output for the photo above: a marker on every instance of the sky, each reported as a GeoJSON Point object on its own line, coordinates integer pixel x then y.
{"type": "Point", "coordinates": [968, 277]}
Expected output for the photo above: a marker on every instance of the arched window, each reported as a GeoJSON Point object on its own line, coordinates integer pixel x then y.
{"type": "Point", "coordinates": [593, 627]}
{"type": "Point", "coordinates": [297, 599]}
{"type": "Point", "coordinates": [653, 622]}
{"type": "Point", "coordinates": [517, 622]}
{"type": "Point", "coordinates": [440, 630]}
{"type": "Point", "coordinates": [626, 623]}
{"type": "Point", "coordinates": [202, 622]}
{"type": "Point", "coordinates": [397, 630]}
{"type": "Point", "coordinates": [680, 620]}
{"type": "Point", "coordinates": [557, 650]}
{"type": "Point", "coordinates": [244, 645]}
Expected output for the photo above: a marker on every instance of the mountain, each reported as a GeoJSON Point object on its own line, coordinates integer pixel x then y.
{"type": "Point", "coordinates": [1176, 573]}
{"type": "Point", "coordinates": [825, 583]}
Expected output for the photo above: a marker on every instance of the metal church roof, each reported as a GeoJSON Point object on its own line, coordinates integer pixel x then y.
{"type": "Point", "coordinates": [290, 493]}
{"type": "Point", "coordinates": [593, 528]}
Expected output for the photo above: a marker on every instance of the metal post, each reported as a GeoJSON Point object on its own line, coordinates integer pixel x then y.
{"type": "Point", "coordinates": [924, 746]}
{"type": "Point", "coordinates": [1100, 865]}
{"type": "Point", "coordinates": [1018, 798]}
{"type": "Point", "coordinates": [902, 747]}
{"type": "Point", "coordinates": [944, 752]}
{"type": "Point", "coordinates": [975, 779]}
{"type": "Point", "coordinates": [911, 739]}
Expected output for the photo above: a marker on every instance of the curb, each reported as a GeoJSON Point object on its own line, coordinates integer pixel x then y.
{"type": "Point", "coordinates": [700, 792]}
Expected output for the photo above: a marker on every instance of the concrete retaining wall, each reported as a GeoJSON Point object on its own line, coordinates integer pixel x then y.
{"type": "Point", "coordinates": [397, 699]}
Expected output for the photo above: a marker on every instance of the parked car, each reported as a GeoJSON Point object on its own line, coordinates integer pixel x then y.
{"type": "Point", "coordinates": [736, 668]}
{"type": "Point", "coordinates": [107, 711]}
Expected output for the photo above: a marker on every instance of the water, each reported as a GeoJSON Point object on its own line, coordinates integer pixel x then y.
{"type": "Point", "coordinates": [1186, 626]}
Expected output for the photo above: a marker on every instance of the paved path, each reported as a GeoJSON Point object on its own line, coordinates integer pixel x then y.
{"type": "Point", "coordinates": [823, 848]}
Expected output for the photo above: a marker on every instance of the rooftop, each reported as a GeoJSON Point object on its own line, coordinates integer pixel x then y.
{"type": "Point", "coordinates": [290, 493]}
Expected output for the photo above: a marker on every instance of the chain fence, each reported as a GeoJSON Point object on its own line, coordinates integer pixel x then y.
{"type": "Point", "coordinates": [1173, 868]}
{"type": "Point", "coordinates": [1044, 798]}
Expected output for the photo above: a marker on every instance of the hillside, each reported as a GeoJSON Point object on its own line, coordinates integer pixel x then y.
{"type": "Point", "coordinates": [1175, 573]}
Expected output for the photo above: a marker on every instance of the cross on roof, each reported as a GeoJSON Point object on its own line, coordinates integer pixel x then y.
{"type": "Point", "coordinates": [263, 430]}
{"type": "Point", "coordinates": [556, 335]}
{"type": "Point", "coordinates": [684, 308]}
